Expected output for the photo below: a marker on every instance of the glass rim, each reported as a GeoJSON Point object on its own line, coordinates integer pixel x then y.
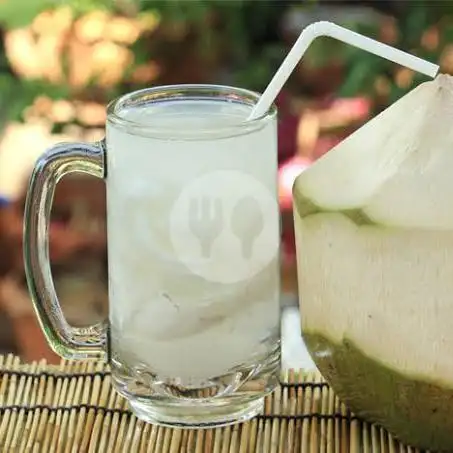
{"type": "Point", "coordinates": [171, 92]}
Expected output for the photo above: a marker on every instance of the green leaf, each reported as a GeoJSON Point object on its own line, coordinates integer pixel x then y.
{"type": "Point", "coordinates": [413, 24]}
{"type": "Point", "coordinates": [361, 75]}
{"type": "Point", "coordinates": [15, 14]}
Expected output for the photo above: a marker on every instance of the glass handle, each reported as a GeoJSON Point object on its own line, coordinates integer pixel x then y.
{"type": "Point", "coordinates": [67, 341]}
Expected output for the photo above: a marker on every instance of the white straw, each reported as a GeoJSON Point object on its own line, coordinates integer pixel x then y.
{"type": "Point", "coordinates": [323, 28]}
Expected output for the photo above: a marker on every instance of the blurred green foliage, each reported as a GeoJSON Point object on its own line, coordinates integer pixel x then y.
{"type": "Point", "coordinates": [238, 30]}
{"type": "Point", "coordinates": [410, 22]}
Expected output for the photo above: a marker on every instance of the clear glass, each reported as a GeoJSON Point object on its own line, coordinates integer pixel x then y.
{"type": "Point", "coordinates": [193, 244]}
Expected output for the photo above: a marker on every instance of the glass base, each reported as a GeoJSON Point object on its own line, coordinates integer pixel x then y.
{"type": "Point", "coordinates": [207, 416]}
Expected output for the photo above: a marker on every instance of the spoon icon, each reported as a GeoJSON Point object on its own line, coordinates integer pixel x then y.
{"type": "Point", "coordinates": [247, 222]}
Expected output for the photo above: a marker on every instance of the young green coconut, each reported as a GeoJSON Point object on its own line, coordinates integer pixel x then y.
{"type": "Point", "coordinates": [374, 236]}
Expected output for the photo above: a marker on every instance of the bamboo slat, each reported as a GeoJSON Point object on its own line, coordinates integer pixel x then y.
{"type": "Point", "coordinates": [72, 408]}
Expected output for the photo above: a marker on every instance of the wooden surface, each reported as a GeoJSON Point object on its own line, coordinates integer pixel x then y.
{"type": "Point", "coordinates": [73, 408]}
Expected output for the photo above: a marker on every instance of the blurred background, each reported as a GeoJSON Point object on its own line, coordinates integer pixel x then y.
{"type": "Point", "coordinates": [61, 61]}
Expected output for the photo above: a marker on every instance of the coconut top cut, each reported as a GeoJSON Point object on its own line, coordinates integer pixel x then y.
{"type": "Point", "coordinates": [397, 168]}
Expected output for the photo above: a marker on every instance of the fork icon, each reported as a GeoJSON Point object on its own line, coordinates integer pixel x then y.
{"type": "Point", "coordinates": [206, 221]}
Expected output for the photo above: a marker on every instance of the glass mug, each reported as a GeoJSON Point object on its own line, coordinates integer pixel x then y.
{"type": "Point", "coordinates": [193, 336]}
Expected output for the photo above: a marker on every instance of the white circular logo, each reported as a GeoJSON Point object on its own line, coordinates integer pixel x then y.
{"type": "Point", "coordinates": [224, 226]}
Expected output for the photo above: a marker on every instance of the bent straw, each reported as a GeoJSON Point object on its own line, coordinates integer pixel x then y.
{"type": "Point", "coordinates": [323, 28]}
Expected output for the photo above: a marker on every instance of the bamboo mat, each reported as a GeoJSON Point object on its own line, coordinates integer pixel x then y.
{"type": "Point", "coordinates": [73, 408]}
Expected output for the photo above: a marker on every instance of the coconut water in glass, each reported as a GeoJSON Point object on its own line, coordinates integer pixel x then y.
{"type": "Point", "coordinates": [193, 336]}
